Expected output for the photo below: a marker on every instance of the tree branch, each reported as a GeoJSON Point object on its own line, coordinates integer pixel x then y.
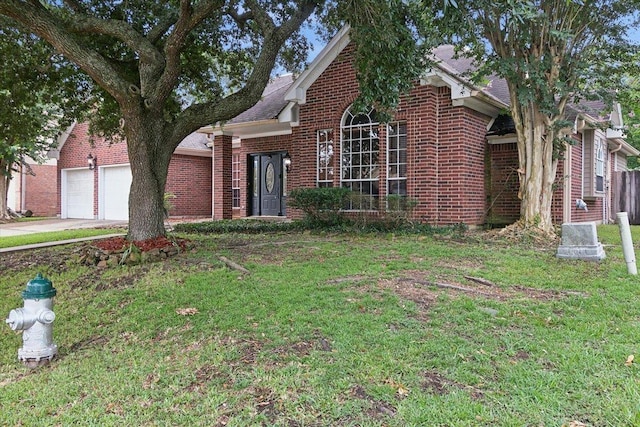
{"type": "Point", "coordinates": [50, 29]}
{"type": "Point", "coordinates": [189, 18]}
{"type": "Point", "coordinates": [199, 115]}
{"type": "Point", "coordinates": [86, 24]}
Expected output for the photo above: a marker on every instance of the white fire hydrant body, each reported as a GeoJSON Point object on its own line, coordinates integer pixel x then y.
{"type": "Point", "coordinates": [35, 320]}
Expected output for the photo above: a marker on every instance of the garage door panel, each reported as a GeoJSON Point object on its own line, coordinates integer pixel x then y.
{"type": "Point", "coordinates": [116, 186]}
{"type": "Point", "coordinates": [78, 200]}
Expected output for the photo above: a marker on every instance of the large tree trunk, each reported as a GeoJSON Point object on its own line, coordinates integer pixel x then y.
{"type": "Point", "coordinates": [149, 156]}
{"type": "Point", "coordinates": [5, 177]}
{"type": "Point", "coordinates": [537, 167]}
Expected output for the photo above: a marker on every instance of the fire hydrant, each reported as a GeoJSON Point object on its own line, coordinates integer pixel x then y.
{"type": "Point", "coordinates": [35, 321]}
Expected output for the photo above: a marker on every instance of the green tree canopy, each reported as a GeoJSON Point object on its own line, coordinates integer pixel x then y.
{"type": "Point", "coordinates": [33, 100]}
{"type": "Point", "coordinates": [629, 98]}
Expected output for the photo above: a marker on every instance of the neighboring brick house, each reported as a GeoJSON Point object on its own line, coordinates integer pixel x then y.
{"type": "Point", "coordinates": [447, 148]}
{"type": "Point", "coordinates": [103, 191]}
{"type": "Point", "coordinates": [33, 188]}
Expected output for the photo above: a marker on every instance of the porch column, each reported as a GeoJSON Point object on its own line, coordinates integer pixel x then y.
{"type": "Point", "coordinates": [222, 192]}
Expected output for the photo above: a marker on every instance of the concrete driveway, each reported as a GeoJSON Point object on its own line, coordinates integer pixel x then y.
{"type": "Point", "coordinates": [54, 224]}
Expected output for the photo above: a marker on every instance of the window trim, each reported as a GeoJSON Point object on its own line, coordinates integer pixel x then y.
{"type": "Point", "coordinates": [400, 136]}
{"type": "Point", "coordinates": [329, 167]}
{"type": "Point", "coordinates": [235, 181]}
{"type": "Point", "coordinates": [599, 157]}
{"type": "Point", "coordinates": [372, 125]}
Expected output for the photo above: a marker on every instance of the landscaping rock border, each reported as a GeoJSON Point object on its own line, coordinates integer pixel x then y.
{"type": "Point", "coordinates": [119, 251]}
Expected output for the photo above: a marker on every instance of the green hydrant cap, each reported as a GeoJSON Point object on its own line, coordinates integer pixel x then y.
{"type": "Point", "coordinates": [39, 288]}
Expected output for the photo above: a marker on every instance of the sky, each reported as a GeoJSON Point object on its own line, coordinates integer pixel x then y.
{"type": "Point", "coordinates": [318, 45]}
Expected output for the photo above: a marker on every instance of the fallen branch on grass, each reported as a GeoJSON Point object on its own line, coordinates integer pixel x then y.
{"type": "Point", "coordinates": [480, 280]}
{"type": "Point", "coordinates": [233, 265]}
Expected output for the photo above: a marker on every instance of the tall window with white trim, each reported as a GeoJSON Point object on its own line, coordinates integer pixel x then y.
{"type": "Point", "coordinates": [235, 180]}
{"type": "Point", "coordinates": [325, 158]}
{"type": "Point", "coordinates": [600, 150]}
{"type": "Point", "coordinates": [397, 159]}
{"type": "Point", "coordinates": [360, 149]}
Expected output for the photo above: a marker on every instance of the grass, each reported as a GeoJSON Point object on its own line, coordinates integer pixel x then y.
{"type": "Point", "coordinates": [332, 330]}
{"type": "Point", "coordinates": [54, 236]}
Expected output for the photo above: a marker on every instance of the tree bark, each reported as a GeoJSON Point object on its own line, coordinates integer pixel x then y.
{"type": "Point", "coordinates": [5, 177]}
{"type": "Point", "coordinates": [537, 166]}
{"type": "Point", "coordinates": [149, 157]}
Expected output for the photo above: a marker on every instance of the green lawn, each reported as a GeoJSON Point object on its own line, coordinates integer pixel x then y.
{"type": "Point", "coordinates": [54, 236]}
{"type": "Point", "coordinates": [332, 330]}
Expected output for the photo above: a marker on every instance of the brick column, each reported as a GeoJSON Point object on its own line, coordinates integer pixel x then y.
{"type": "Point", "coordinates": [222, 193]}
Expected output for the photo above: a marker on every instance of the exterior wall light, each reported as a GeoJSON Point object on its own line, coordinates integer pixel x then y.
{"type": "Point", "coordinates": [91, 161]}
{"type": "Point", "coordinates": [286, 161]}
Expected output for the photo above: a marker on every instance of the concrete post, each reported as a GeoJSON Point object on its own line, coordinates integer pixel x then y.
{"type": "Point", "coordinates": [627, 243]}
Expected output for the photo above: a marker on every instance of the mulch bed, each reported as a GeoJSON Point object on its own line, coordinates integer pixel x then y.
{"type": "Point", "coordinates": [119, 251]}
{"type": "Point", "coordinates": [117, 243]}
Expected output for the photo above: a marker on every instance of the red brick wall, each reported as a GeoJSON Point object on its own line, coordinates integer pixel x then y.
{"type": "Point", "coordinates": [222, 162]}
{"type": "Point", "coordinates": [594, 206]}
{"type": "Point", "coordinates": [189, 180]}
{"type": "Point", "coordinates": [40, 191]}
{"type": "Point", "coordinates": [557, 203]}
{"type": "Point", "coordinates": [504, 205]}
{"type": "Point", "coordinates": [192, 174]}
{"type": "Point", "coordinates": [445, 145]}
{"type": "Point", "coordinates": [461, 160]}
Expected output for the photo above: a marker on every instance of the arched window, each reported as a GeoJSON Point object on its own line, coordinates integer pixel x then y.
{"type": "Point", "coordinates": [360, 167]}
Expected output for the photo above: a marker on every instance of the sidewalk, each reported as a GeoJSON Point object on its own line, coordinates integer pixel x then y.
{"type": "Point", "coordinates": [55, 224]}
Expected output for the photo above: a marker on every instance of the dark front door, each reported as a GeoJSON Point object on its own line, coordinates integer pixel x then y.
{"type": "Point", "coordinates": [266, 184]}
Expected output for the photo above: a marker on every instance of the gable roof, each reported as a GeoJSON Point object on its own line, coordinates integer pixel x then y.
{"type": "Point", "coordinates": [272, 115]}
{"type": "Point", "coordinates": [271, 104]}
{"type": "Point", "coordinates": [276, 112]}
{"type": "Point", "coordinates": [450, 62]}
{"type": "Point", "coordinates": [195, 144]}
{"type": "Point", "coordinates": [446, 72]}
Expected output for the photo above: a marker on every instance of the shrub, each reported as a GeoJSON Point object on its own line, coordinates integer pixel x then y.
{"type": "Point", "coordinates": [322, 207]}
{"type": "Point", "coordinates": [245, 226]}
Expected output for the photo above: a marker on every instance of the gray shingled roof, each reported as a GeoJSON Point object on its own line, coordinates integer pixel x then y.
{"type": "Point", "coordinates": [271, 104]}
{"type": "Point", "coordinates": [195, 141]}
{"type": "Point", "coordinates": [496, 86]}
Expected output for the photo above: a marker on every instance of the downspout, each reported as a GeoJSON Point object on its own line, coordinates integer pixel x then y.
{"type": "Point", "coordinates": [609, 194]}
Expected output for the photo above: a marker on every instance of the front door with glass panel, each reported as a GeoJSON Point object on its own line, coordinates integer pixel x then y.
{"type": "Point", "coordinates": [266, 184]}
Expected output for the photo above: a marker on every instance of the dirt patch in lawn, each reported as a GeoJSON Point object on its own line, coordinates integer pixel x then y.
{"type": "Point", "coordinates": [438, 384]}
{"type": "Point", "coordinates": [43, 259]}
{"type": "Point", "coordinates": [422, 288]}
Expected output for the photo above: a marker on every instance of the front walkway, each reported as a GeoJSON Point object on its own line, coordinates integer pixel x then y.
{"type": "Point", "coordinates": [55, 224]}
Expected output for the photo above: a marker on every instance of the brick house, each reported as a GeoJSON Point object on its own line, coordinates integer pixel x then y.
{"type": "Point", "coordinates": [448, 147]}
{"type": "Point", "coordinates": [32, 187]}
{"type": "Point", "coordinates": [102, 191]}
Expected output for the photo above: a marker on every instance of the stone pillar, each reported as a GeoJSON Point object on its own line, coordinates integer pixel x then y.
{"type": "Point", "coordinates": [222, 192]}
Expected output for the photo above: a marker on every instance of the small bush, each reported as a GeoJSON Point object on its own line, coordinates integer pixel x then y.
{"type": "Point", "coordinates": [322, 207]}
{"type": "Point", "coordinates": [238, 226]}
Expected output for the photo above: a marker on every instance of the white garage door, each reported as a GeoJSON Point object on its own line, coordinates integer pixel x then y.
{"type": "Point", "coordinates": [77, 193]}
{"type": "Point", "coordinates": [116, 183]}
